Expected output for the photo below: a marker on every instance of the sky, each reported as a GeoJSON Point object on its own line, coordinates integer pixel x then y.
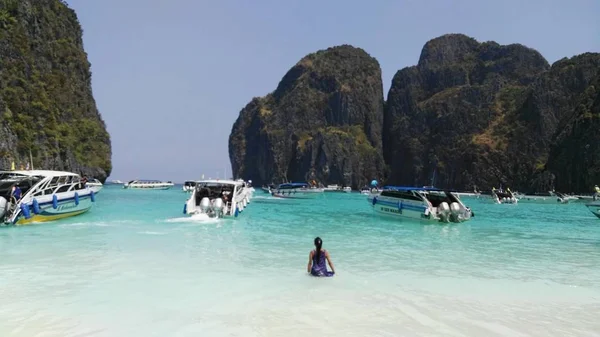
{"type": "Point", "coordinates": [170, 76]}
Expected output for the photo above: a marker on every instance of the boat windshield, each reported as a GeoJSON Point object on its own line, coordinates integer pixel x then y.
{"type": "Point", "coordinates": [213, 190]}
{"type": "Point", "coordinates": [436, 198]}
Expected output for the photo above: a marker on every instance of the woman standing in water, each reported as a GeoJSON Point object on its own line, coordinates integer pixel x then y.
{"type": "Point", "coordinates": [316, 261]}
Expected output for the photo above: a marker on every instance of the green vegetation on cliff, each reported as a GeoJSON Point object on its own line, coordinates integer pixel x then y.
{"type": "Point", "coordinates": [46, 102]}
{"type": "Point", "coordinates": [323, 122]}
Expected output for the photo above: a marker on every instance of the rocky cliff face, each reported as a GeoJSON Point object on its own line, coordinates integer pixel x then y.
{"type": "Point", "coordinates": [323, 123]}
{"type": "Point", "coordinates": [468, 114]}
{"type": "Point", "coordinates": [459, 113]}
{"type": "Point", "coordinates": [46, 102]}
{"type": "Point", "coordinates": [571, 90]}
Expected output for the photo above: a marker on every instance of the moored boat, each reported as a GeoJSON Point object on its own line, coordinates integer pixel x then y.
{"type": "Point", "coordinates": [337, 188]}
{"type": "Point", "coordinates": [94, 184]}
{"type": "Point", "coordinates": [148, 185]}
{"type": "Point", "coordinates": [40, 195]}
{"type": "Point", "coordinates": [296, 191]}
{"type": "Point", "coordinates": [547, 198]}
{"type": "Point", "coordinates": [503, 197]}
{"type": "Point", "coordinates": [217, 199]}
{"type": "Point", "coordinates": [422, 203]}
{"type": "Point", "coordinates": [188, 186]}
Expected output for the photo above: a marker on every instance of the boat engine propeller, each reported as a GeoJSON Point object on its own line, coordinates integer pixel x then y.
{"type": "Point", "coordinates": [444, 212]}
{"type": "Point", "coordinates": [214, 208]}
{"type": "Point", "coordinates": [455, 212]}
{"type": "Point", "coordinates": [205, 205]}
{"type": "Point", "coordinates": [3, 207]}
{"type": "Point", "coordinates": [218, 206]}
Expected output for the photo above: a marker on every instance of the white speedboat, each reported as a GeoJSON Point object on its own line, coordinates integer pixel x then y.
{"type": "Point", "coordinates": [296, 191]}
{"type": "Point", "coordinates": [94, 184]}
{"type": "Point", "coordinates": [337, 188]}
{"type": "Point", "coordinates": [188, 186]}
{"type": "Point", "coordinates": [504, 197]}
{"type": "Point", "coordinates": [594, 207]}
{"type": "Point", "coordinates": [331, 188]}
{"type": "Point", "coordinates": [45, 196]}
{"type": "Point", "coordinates": [217, 199]}
{"type": "Point", "coordinates": [117, 182]}
{"type": "Point", "coordinates": [148, 185]}
{"type": "Point", "coordinates": [430, 204]}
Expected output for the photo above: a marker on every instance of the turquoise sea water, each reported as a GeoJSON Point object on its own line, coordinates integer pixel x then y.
{"type": "Point", "coordinates": [135, 266]}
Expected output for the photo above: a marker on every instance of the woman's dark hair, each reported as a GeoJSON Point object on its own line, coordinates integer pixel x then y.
{"type": "Point", "coordinates": [318, 244]}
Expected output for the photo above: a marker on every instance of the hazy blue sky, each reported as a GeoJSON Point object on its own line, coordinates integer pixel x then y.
{"type": "Point", "coordinates": [170, 76]}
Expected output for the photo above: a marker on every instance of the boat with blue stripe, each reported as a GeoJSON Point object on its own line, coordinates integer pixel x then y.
{"type": "Point", "coordinates": [38, 196]}
{"type": "Point", "coordinates": [422, 203]}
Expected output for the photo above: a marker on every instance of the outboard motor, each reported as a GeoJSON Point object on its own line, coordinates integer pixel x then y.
{"type": "Point", "coordinates": [218, 206]}
{"type": "Point", "coordinates": [3, 207]}
{"type": "Point", "coordinates": [205, 205]}
{"type": "Point", "coordinates": [455, 212]}
{"type": "Point", "coordinates": [444, 211]}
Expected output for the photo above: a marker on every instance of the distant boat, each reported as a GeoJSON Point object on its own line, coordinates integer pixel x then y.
{"type": "Point", "coordinates": [148, 185]}
{"type": "Point", "coordinates": [188, 186]}
{"type": "Point", "coordinates": [296, 191]}
{"type": "Point", "coordinates": [116, 182]}
{"type": "Point", "coordinates": [95, 185]}
{"type": "Point", "coordinates": [337, 188]}
{"type": "Point", "coordinates": [504, 197]}
{"type": "Point", "coordinates": [547, 198]}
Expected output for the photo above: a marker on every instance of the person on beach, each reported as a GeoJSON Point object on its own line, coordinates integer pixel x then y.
{"type": "Point", "coordinates": [316, 261]}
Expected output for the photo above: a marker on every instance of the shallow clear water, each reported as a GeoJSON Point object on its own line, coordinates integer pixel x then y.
{"type": "Point", "coordinates": [134, 266]}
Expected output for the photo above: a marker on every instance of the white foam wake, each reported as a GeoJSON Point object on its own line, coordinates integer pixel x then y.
{"type": "Point", "coordinates": [196, 218]}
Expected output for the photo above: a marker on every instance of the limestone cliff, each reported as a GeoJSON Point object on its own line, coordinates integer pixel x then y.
{"type": "Point", "coordinates": [323, 123]}
{"type": "Point", "coordinates": [571, 90]}
{"type": "Point", "coordinates": [458, 113]}
{"type": "Point", "coordinates": [46, 102]}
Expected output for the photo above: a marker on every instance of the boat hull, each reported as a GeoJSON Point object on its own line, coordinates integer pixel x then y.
{"type": "Point", "coordinates": [96, 188]}
{"type": "Point", "coordinates": [594, 208]}
{"type": "Point", "coordinates": [414, 210]}
{"type": "Point", "coordinates": [402, 210]}
{"type": "Point", "coordinates": [66, 207]}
